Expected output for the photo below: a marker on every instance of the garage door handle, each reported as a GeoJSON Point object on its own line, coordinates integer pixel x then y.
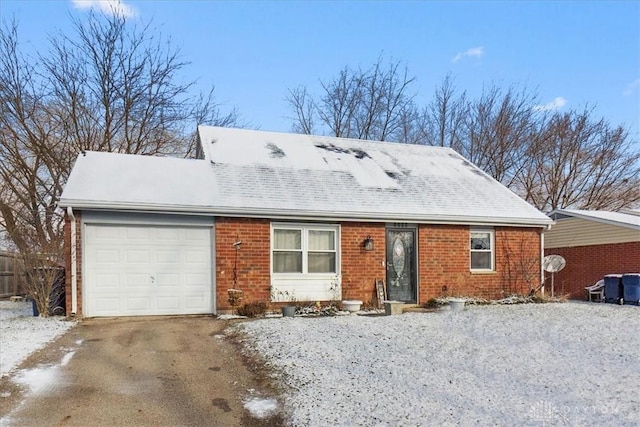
{"type": "Point", "coordinates": [153, 280]}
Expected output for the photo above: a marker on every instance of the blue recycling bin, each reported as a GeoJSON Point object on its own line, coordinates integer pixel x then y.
{"type": "Point", "coordinates": [631, 288]}
{"type": "Point", "coordinates": [613, 288]}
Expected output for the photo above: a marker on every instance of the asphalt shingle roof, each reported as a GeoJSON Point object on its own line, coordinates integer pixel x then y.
{"type": "Point", "coordinates": [256, 173]}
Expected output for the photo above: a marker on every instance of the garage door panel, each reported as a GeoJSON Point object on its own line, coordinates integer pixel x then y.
{"type": "Point", "coordinates": [168, 256]}
{"type": "Point", "coordinates": [197, 236]}
{"type": "Point", "coordinates": [168, 303]}
{"type": "Point", "coordinates": [107, 282]}
{"type": "Point", "coordinates": [136, 280]}
{"type": "Point", "coordinates": [147, 270]}
{"type": "Point", "coordinates": [141, 255]}
{"type": "Point", "coordinates": [193, 256]}
{"type": "Point", "coordinates": [106, 234]}
{"type": "Point", "coordinates": [194, 303]}
{"type": "Point", "coordinates": [168, 280]}
{"type": "Point", "coordinates": [138, 305]}
{"type": "Point", "coordinates": [137, 234]}
{"type": "Point", "coordinates": [105, 256]}
{"type": "Point", "coordinates": [169, 233]}
{"type": "Point", "coordinates": [193, 280]}
{"type": "Point", "coordinates": [107, 306]}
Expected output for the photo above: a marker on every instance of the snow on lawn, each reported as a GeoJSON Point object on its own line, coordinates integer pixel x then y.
{"type": "Point", "coordinates": [22, 334]}
{"type": "Point", "coordinates": [531, 364]}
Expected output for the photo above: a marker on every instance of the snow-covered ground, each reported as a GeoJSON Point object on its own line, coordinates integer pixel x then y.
{"type": "Point", "coordinates": [22, 334]}
{"type": "Point", "coordinates": [533, 364]}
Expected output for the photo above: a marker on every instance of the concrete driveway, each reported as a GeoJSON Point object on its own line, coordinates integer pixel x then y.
{"type": "Point", "coordinates": [165, 371]}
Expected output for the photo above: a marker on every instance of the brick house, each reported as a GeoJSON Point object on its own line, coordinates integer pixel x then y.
{"type": "Point", "coordinates": [290, 217]}
{"type": "Point", "coordinates": [593, 243]}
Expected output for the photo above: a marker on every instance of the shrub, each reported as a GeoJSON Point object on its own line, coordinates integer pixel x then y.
{"type": "Point", "coordinates": [432, 303]}
{"type": "Point", "coordinates": [317, 309]}
{"type": "Point", "coordinates": [252, 309]}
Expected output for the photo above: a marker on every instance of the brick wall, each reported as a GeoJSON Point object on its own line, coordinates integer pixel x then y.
{"type": "Point", "coordinates": [588, 264]}
{"type": "Point", "coordinates": [361, 268]}
{"type": "Point", "coordinates": [518, 262]}
{"type": "Point", "coordinates": [253, 262]}
{"type": "Point", "coordinates": [67, 256]}
{"type": "Point", "coordinates": [444, 262]}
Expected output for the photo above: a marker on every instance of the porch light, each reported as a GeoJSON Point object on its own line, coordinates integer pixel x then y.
{"type": "Point", "coordinates": [367, 244]}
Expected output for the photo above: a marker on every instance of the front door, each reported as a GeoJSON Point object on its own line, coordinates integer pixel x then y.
{"type": "Point", "coordinates": [401, 265]}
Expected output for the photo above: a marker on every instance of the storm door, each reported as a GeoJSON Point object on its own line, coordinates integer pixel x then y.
{"type": "Point", "coordinates": [401, 265]}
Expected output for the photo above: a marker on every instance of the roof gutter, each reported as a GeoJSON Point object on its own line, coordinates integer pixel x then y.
{"type": "Point", "coordinates": [283, 214]}
{"type": "Point", "coordinates": [570, 214]}
{"type": "Point", "coordinates": [542, 263]}
{"type": "Point", "coordinates": [74, 262]}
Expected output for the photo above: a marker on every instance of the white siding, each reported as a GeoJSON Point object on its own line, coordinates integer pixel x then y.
{"type": "Point", "coordinates": [305, 288]}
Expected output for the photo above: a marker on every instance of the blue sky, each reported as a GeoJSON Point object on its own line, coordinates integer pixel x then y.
{"type": "Point", "coordinates": [571, 53]}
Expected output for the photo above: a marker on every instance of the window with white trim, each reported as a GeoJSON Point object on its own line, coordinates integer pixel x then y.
{"type": "Point", "coordinates": [482, 249]}
{"type": "Point", "coordinates": [304, 249]}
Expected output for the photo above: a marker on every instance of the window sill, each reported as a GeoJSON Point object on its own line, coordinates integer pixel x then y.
{"type": "Point", "coordinates": [484, 272]}
{"type": "Point", "coordinates": [303, 275]}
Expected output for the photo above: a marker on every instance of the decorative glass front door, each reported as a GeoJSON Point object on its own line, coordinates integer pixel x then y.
{"type": "Point", "coordinates": [401, 265]}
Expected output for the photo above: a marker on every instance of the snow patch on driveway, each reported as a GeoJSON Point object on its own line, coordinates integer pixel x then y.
{"type": "Point", "coordinates": [22, 334]}
{"type": "Point", "coordinates": [261, 407]}
{"type": "Point", "coordinates": [39, 380]}
{"type": "Point", "coordinates": [45, 378]}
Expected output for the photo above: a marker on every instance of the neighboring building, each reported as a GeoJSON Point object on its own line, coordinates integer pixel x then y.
{"type": "Point", "coordinates": [150, 235]}
{"type": "Point", "coordinates": [635, 212]}
{"type": "Point", "coordinates": [593, 243]}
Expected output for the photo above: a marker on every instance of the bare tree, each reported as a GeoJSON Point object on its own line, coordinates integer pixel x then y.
{"type": "Point", "coordinates": [206, 110]}
{"type": "Point", "coordinates": [551, 160]}
{"type": "Point", "coordinates": [413, 127]}
{"type": "Point", "coordinates": [446, 115]}
{"type": "Point", "coordinates": [108, 86]}
{"type": "Point", "coordinates": [365, 104]}
{"type": "Point", "coordinates": [118, 89]}
{"type": "Point", "coordinates": [42, 278]}
{"type": "Point", "coordinates": [304, 108]}
{"type": "Point", "coordinates": [497, 132]}
{"type": "Point", "coordinates": [580, 163]}
{"type": "Point", "coordinates": [29, 139]}
{"type": "Point", "coordinates": [520, 265]}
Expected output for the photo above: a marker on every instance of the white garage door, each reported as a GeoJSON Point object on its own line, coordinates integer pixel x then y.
{"type": "Point", "coordinates": [133, 270]}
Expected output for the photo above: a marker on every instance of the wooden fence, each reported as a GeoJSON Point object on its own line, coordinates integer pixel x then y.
{"type": "Point", "coordinates": [9, 283]}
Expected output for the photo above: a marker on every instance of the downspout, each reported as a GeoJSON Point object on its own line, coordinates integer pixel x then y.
{"type": "Point", "coordinates": [74, 263]}
{"type": "Point", "coordinates": [542, 259]}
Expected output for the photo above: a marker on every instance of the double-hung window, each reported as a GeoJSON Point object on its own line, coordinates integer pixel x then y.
{"type": "Point", "coordinates": [482, 249]}
{"type": "Point", "coordinates": [304, 249]}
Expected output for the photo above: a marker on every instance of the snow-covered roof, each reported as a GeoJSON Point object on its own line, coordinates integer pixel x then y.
{"type": "Point", "coordinates": [280, 175]}
{"type": "Point", "coordinates": [621, 219]}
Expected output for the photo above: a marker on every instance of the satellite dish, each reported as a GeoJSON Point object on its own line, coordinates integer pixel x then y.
{"type": "Point", "coordinates": [553, 263]}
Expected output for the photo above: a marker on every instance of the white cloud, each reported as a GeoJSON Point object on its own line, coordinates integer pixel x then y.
{"type": "Point", "coordinates": [109, 7]}
{"type": "Point", "coordinates": [631, 87]}
{"type": "Point", "coordinates": [474, 52]}
{"type": "Point", "coordinates": [556, 104]}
